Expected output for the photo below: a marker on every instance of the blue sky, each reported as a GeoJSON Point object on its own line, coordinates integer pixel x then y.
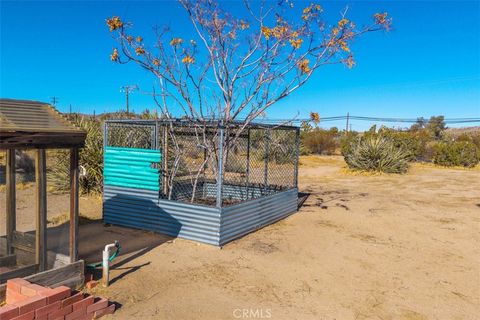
{"type": "Point", "coordinates": [428, 64]}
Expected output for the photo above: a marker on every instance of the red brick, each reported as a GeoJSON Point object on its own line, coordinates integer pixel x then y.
{"type": "Point", "coordinates": [91, 284]}
{"type": "Point", "coordinates": [83, 304]}
{"type": "Point", "coordinates": [30, 304]}
{"type": "Point", "coordinates": [31, 289]}
{"type": "Point", "coordinates": [60, 312]}
{"type": "Point", "coordinates": [8, 312]}
{"type": "Point", "coordinates": [14, 297]}
{"type": "Point", "coordinates": [49, 308]}
{"type": "Point", "coordinates": [16, 284]}
{"type": "Point", "coordinates": [70, 300]}
{"type": "Point", "coordinates": [88, 316]}
{"type": "Point", "coordinates": [76, 314]}
{"type": "Point", "coordinates": [99, 304]}
{"type": "Point", "coordinates": [108, 310]}
{"type": "Point", "coordinates": [56, 294]}
{"type": "Point", "coordinates": [26, 316]}
{"type": "Point", "coordinates": [44, 317]}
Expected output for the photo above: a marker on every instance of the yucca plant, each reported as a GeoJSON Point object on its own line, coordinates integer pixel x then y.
{"type": "Point", "coordinates": [377, 153]}
{"type": "Point", "coordinates": [91, 160]}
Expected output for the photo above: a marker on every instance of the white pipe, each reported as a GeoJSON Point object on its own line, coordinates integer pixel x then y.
{"type": "Point", "coordinates": [106, 263]}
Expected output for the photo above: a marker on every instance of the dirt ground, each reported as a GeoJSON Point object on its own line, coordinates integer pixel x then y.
{"type": "Point", "coordinates": [361, 247]}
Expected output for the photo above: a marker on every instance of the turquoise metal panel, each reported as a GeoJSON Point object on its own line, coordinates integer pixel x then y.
{"type": "Point", "coordinates": [132, 168]}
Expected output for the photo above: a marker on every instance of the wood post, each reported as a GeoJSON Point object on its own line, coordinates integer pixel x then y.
{"type": "Point", "coordinates": [10, 199]}
{"type": "Point", "coordinates": [73, 205]}
{"type": "Point", "coordinates": [41, 210]}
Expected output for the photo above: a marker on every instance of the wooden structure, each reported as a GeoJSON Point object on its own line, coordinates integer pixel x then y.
{"type": "Point", "coordinates": [37, 125]}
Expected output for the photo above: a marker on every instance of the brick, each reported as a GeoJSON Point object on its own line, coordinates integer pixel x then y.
{"type": "Point", "coordinates": [49, 308]}
{"type": "Point", "coordinates": [16, 284]}
{"type": "Point", "coordinates": [31, 289]}
{"type": "Point", "coordinates": [44, 317]}
{"type": "Point", "coordinates": [26, 316]}
{"type": "Point", "coordinates": [83, 304]}
{"type": "Point", "coordinates": [88, 316]}
{"type": "Point", "coordinates": [60, 312]}
{"type": "Point", "coordinates": [77, 314]}
{"type": "Point", "coordinates": [70, 300]}
{"type": "Point", "coordinates": [30, 304]}
{"type": "Point", "coordinates": [14, 297]}
{"type": "Point", "coordinates": [91, 284]}
{"type": "Point", "coordinates": [56, 294]}
{"type": "Point", "coordinates": [8, 312]}
{"type": "Point", "coordinates": [99, 304]}
{"type": "Point", "coordinates": [108, 310]}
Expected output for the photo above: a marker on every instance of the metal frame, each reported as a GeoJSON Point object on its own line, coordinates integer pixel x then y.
{"type": "Point", "coordinates": [222, 221]}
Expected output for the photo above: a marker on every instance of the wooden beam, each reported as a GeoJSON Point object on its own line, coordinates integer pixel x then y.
{"type": "Point", "coordinates": [23, 241]}
{"type": "Point", "coordinates": [18, 272]}
{"type": "Point", "coordinates": [41, 210]}
{"type": "Point", "coordinates": [74, 204]}
{"type": "Point", "coordinates": [8, 261]}
{"type": "Point", "coordinates": [70, 275]}
{"type": "Point", "coordinates": [10, 199]}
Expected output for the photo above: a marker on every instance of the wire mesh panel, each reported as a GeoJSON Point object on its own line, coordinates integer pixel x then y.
{"type": "Point", "coordinates": [131, 135]}
{"type": "Point", "coordinates": [191, 166]}
{"type": "Point", "coordinates": [248, 162]}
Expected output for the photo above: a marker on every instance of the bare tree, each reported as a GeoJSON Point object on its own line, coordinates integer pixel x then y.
{"type": "Point", "coordinates": [237, 66]}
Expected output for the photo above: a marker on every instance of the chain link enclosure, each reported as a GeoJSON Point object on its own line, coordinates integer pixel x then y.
{"type": "Point", "coordinates": [210, 164]}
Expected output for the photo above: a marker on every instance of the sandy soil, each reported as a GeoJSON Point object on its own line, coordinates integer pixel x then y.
{"type": "Point", "coordinates": [361, 247]}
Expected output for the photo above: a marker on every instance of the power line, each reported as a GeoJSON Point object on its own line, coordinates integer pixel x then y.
{"type": "Point", "coordinates": [127, 89]}
{"type": "Point", "coordinates": [370, 119]}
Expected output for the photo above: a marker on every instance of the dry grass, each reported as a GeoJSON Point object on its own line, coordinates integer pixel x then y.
{"type": "Point", "coordinates": [315, 160]}
{"type": "Point", "coordinates": [20, 186]}
{"type": "Point", "coordinates": [430, 165]}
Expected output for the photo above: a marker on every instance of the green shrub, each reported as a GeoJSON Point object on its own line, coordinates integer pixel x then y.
{"type": "Point", "coordinates": [91, 160]}
{"type": "Point", "coordinates": [346, 142]}
{"type": "Point", "coordinates": [456, 153]}
{"type": "Point", "coordinates": [414, 142]}
{"type": "Point", "coordinates": [376, 153]}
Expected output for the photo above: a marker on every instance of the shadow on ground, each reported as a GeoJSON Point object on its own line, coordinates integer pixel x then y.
{"type": "Point", "coordinates": [93, 237]}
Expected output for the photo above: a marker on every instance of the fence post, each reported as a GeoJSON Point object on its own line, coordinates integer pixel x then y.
{"type": "Point", "coordinates": [267, 156]}
{"type": "Point", "coordinates": [220, 168]}
{"type": "Point", "coordinates": [248, 162]}
{"type": "Point", "coordinates": [297, 154]}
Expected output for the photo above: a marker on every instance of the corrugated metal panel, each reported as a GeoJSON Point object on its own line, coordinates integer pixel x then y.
{"type": "Point", "coordinates": [24, 115]}
{"type": "Point", "coordinates": [246, 217]}
{"type": "Point", "coordinates": [237, 192]}
{"type": "Point", "coordinates": [131, 167]}
{"type": "Point", "coordinates": [140, 208]}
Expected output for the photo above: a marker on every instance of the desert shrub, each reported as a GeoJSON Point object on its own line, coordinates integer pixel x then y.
{"type": "Point", "coordinates": [456, 153]}
{"type": "Point", "coordinates": [91, 160]}
{"type": "Point", "coordinates": [414, 142]}
{"type": "Point", "coordinates": [376, 153]}
{"type": "Point", "coordinates": [320, 141]}
{"type": "Point", "coordinates": [346, 142]}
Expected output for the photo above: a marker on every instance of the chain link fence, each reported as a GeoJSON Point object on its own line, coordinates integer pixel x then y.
{"type": "Point", "coordinates": [246, 162]}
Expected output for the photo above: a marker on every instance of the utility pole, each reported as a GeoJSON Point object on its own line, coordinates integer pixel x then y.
{"type": "Point", "coordinates": [54, 101]}
{"type": "Point", "coordinates": [127, 89]}
{"type": "Point", "coordinates": [348, 118]}
{"type": "Point", "coordinates": [70, 109]}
